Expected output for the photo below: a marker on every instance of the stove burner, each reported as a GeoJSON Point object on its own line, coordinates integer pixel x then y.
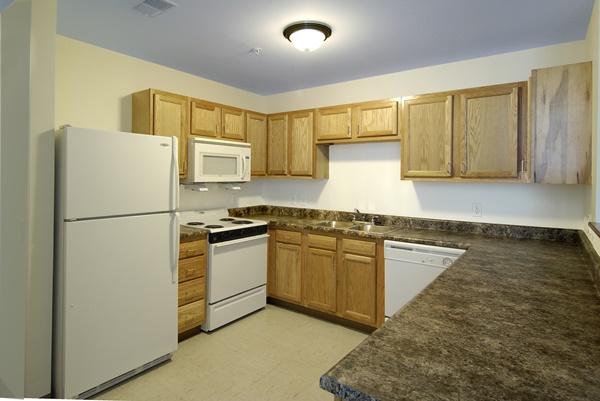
{"type": "Point", "coordinates": [226, 219]}
{"type": "Point", "coordinates": [195, 223]}
{"type": "Point", "coordinates": [241, 222]}
{"type": "Point", "coordinates": [213, 226]}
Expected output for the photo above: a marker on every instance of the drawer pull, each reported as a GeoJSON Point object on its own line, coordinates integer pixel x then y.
{"type": "Point", "coordinates": [190, 252]}
{"type": "Point", "coordinates": [190, 318]}
{"type": "Point", "coordinates": [189, 295]}
{"type": "Point", "coordinates": [190, 272]}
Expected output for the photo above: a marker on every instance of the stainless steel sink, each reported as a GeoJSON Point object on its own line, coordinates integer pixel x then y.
{"type": "Point", "coordinates": [372, 228]}
{"type": "Point", "coordinates": [335, 224]}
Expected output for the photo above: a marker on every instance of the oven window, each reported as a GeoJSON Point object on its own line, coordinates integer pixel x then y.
{"type": "Point", "coordinates": [220, 165]}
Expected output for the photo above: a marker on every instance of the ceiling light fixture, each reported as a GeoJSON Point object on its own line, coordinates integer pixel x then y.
{"type": "Point", "coordinates": [307, 36]}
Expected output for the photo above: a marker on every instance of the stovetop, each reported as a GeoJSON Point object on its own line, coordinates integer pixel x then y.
{"type": "Point", "coordinates": [220, 226]}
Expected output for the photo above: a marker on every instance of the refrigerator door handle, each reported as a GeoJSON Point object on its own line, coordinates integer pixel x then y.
{"type": "Point", "coordinates": [175, 174]}
{"type": "Point", "coordinates": [174, 247]}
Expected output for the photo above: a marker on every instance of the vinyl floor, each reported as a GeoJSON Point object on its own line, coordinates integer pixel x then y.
{"type": "Point", "coordinates": [273, 354]}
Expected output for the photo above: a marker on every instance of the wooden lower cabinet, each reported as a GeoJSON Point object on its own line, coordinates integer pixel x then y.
{"type": "Point", "coordinates": [192, 284]}
{"type": "Point", "coordinates": [328, 273]}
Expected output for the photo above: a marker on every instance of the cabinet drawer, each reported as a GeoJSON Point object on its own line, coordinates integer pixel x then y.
{"type": "Point", "coordinates": [192, 248]}
{"type": "Point", "coordinates": [358, 247]}
{"type": "Point", "coordinates": [192, 268]}
{"type": "Point", "coordinates": [191, 291]}
{"type": "Point", "coordinates": [322, 241]}
{"type": "Point", "coordinates": [290, 237]}
{"type": "Point", "coordinates": [191, 315]}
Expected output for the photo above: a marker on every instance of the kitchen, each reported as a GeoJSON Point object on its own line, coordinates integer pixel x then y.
{"type": "Point", "coordinates": [106, 107]}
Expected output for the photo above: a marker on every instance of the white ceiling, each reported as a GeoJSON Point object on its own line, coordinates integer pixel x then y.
{"type": "Point", "coordinates": [214, 39]}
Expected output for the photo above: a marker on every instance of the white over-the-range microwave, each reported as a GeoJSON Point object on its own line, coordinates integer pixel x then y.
{"type": "Point", "coordinates": [214, 160]}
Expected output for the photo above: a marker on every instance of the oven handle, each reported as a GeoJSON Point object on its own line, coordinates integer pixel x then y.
{"type": "Point", "coordinates": [239, 241]}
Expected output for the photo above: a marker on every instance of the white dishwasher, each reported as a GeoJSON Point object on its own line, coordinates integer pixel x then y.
{"type": "Point", "coordinates": [409, 268]}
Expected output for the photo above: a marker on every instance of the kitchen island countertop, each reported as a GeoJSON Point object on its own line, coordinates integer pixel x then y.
{"type": "Point", "coordinates": [511, 319]}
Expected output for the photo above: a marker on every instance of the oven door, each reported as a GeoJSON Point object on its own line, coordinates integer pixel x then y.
{"type": "Point", "coordinates": [235, 267]}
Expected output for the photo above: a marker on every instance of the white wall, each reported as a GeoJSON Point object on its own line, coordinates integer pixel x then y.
{"type": "Point", "coordinates": [367, 176]}
{"type": "Point", "coordinates": [27, 190]}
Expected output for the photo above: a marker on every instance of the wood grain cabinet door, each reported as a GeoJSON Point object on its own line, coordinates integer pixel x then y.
{"type": "Point", "coordinates": [301, 143]}
{"type": "Point", "coordinates": [359, 288]}
{"type": "Point", "coordinates": [376, 119]}
{"type": "Point", "coordinates": [288, 272]}
{"type": "Point", "coordinates": [561, 124]}
{"type": "Point", "coordinates": [427, 128]}
{"type": "Point", "coordinates": [320, 281]}
{"type": "Point", "coordinates": [334, 123]}
{"type": "Point", "coordinates": [206, 119]}
{"type": "Point", "coordinates": [277, 133]}
{"type": "Point", "coordinates": [171, 118]}
{"type": "Point", "coordinates": [234, 124]}
{"type": "Point", "coordinates": [488, 130]}
{"type": "Point", "coordinates": [256, 125]}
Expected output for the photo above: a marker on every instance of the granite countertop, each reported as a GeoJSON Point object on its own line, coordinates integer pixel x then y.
{"type": "Point", "coordinates": [511, 319]}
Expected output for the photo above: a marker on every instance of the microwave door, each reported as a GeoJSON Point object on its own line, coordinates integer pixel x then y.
{"type": "Point", "coordinates": [220, 167]}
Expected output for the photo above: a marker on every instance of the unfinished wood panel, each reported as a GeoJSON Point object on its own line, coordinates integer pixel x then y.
{"type": "Point", "coordinates": [206, 119]}
{"type": "Point", "coordinates": [359, 288]}
{"type": "Point", "coordinates": [334, 123]}
{"type": "Point", "coordinates": [488, 129]}
{"type": "Point", "coordinates": [256, 125]}
{"type": "Point", "coordinates": [288, 272]}
{"type": "Point", "coordinates": [301, 146]}
{"type": "Point", "coordinates": [234, 124]}
{"type": "Point", "coordinates": [427, 129]}
{"type": "Point", "coordinates": [320, 280]}
{"type": "Point", "coordinates": [277, 133]}
{"type": "Point", "coordinates": [376, 119]}
{"type": "Point", "coordinates": [561, 124]}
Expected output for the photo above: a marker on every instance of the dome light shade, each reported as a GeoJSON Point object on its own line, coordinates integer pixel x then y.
{"type": "Point", "coordinates": [307, 36]}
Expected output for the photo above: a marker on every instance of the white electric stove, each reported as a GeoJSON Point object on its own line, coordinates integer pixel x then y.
{"type": "Point", "coordinates": [236, 270]}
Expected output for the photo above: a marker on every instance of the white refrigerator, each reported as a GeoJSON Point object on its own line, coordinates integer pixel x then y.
{"type": "Point", "coordinates": [116, 251]}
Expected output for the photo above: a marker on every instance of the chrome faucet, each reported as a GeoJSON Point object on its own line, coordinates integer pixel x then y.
{"type": "Point", "coordinates": [358, 215]}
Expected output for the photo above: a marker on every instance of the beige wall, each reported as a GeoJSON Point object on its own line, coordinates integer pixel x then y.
{"type": "Point", "coordinates": [94, 86]}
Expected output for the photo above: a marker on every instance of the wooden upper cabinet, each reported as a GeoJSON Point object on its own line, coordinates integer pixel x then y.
{"type": "Point", "coordinates": [488, 129]}
{"type": "Point", "coordinates": [162, 113]}
{"type": "Point", "coordinates": [206, 119]}
{"type": "Point", "coordinates": [301, 144]}
{"type": "Point", "coordinates": [234, 124]}
{"type": "Point", "coordinates": [427, 127]}
{"type": "Point", "coordinates": [256, 125]}
{"type": "Point", "coordinates": [361, 122]}
{"type": "Point", "coordinates": [469, 134]}
{"type": "Point", "coordinates": [561, 124]}
{"type": "Point", "coordinates": [277, 144]}
{"type": "Point", "coordinates": [334, 123]}
{"type": "Point", "coordinates": [217, 121]}
{"type": "Point", "coordinates": [376, 119]}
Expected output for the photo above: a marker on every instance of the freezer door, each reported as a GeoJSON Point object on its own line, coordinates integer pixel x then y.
{"type": "Point", "coordinates": [118, 298]}
{"type": "Point", "coordinates": [107, 173]}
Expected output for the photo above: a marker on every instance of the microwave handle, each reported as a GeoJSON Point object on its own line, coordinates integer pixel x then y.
{"type": "Point", "coordinates": [245, 167]}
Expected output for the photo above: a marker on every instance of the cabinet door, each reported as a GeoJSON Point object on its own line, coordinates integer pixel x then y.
{"type": "Point", "coordinates": [488, 129]}
{"type": "Point", "coordinates": [301, 143]}
{"type": "Point", "coordinates": [234, 124]}
{"type": "Point", "coordinates": [320, 280]}
{"type": "Point", "coordinates": [171, 118]}
{"type": "Point", "coordinates": [427, 136]}
{"type": "Point", "coordinates": [561, 124]}
{"type": "Point", "coordinates": [288, 272]}
{"type": "Point", "coordinates": [277, 144]}
{"type": "Point", "coordinates": [257, 136]}
{"type": "Point", "coordinates": [334, 123]}
{"type": "Point", "coordinates": [206, 118]}
{"type": "Point", "coordinates": [376, 119]}
{"type": "Point", "coordinates": [359, 288]}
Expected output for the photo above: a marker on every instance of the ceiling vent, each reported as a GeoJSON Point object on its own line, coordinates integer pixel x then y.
{"type": "Point", "coordinates": [152, 8]}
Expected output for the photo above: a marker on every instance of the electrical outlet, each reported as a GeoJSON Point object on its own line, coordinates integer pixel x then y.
{"type": "Point", "coordinates": [477, 209]}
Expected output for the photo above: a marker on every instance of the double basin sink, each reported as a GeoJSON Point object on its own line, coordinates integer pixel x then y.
{"type": "Point", "coordinates": [356, 226]}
